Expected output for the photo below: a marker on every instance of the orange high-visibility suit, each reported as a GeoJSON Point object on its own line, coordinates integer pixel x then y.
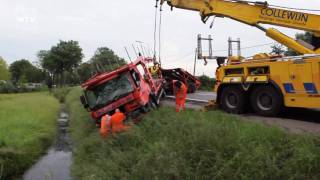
{"type": "Point", "coordinates": [105, 126]}
{"type": "Point", "coordinates": [181, 95]}
{"type": "Point", "coordinates": [117, 122]}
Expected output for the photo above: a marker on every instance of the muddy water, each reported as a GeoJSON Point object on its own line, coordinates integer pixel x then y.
{"type": "Point", "coordinates": [55, 165]}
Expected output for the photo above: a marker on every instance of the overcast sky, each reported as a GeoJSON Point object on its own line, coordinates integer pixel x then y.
{"type": "Point", "coordinates": [28, 26]}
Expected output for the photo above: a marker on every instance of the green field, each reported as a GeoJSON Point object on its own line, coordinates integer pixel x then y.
{"type": "Point", "coordinates": [27, 128]}
{"type": "Point", "coordinates": [190, 145]}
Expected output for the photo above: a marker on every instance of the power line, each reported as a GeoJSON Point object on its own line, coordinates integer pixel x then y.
{"type": "Point", "coordinates": [248, 47]}
{"type": "Point", "coordinates": [183, 56]}
{"type": "Point", "coordinates": [224, 50]}
{"type": "Point", "coordinates": [155, 28]}
{"type": "Point", "coordinates": [160, 22]}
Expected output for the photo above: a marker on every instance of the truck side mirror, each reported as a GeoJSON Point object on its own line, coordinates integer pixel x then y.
{"type": "Point", "coordinates": [84, 102]}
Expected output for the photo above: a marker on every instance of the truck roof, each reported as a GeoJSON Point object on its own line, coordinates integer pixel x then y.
{"type": "Point", "coordinates": [96, 79]}
{"type": "Point", "coordinates": [104, 76]}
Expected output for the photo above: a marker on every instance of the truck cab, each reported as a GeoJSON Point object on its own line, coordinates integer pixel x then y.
{"type": "Point", "coordinates": [131, 88]}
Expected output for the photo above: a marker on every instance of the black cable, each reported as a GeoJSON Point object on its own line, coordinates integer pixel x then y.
{"type": "Point", "coordinates": [248, 47]}
{"type": "Point", "coordinates": [160, 22]}
{"type": "Point", "coordinates": [155, 29]}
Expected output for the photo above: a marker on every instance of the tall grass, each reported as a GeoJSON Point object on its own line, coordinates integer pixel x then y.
{"type": "Point", "coordinates": [61, 93]}
{"type": "Point", "coordinates": [191, 145]}
{"type": "Point", "coordinates": [27, 128]}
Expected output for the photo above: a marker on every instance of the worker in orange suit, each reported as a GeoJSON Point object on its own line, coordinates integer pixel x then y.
{"type": "Point", "coordinates": [181, 95]}
{"type": "Point", "coordinates": [117, 120]}
{"type": "Point", "coordinates": [105, 126]}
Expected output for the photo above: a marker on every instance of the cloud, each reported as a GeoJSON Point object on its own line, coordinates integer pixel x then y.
{"type": "Point", "coordinates": [29, 26]}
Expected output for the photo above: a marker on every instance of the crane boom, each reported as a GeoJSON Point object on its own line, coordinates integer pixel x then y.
{"type": "Point", "coordinates": [255, 13]}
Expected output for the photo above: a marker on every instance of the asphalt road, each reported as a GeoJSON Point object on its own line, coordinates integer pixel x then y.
{"type": "Point", "coordinates": [199, 96]}
{"type": "Point", "coordinates": [296, 120]}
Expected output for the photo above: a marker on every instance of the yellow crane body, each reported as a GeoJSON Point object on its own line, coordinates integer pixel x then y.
{"type": "Point", "coordinates": [265, 82]}
{"type": "Point", "coordinates": [297, 81]}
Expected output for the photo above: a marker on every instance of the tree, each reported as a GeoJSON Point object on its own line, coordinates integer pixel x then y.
{"type": "Point", "coordinates": [18, 69]}
{"type": "Point", "coordinates": [65, 56]}
{"type": "Point", "coordinates": [306, 37]}
{"type": "Point", "coordinates": [46, 62]}
{"type": "Point", "coordinates": [23, 71]}
{"type": "Point", "coordinates": [207, 83]}
{"type": "Point", "coordinates": [277, 49]}
{"type": "Point", "coordinates": [35, 74]}
{"type": "Point", "coordinates": [4, 71]}
{"type": "Point", "coordinates": [105, 59]}
{"type": "Point", "coordinates": [85, 71]}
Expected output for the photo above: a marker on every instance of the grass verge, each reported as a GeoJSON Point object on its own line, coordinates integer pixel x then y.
{"type": "Point", "coordinates": [27, 128]}
{"type": "Point", "coordinates": [61, 93]}
{"type": "Point", "coordinates": [190, 145]}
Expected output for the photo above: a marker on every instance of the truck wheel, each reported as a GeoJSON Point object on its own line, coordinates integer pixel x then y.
{"type": "Point", "coordinates": [146, 108]}
{"type": "Point", "coordinates": [233, 100]}
{"type": "Point", "coordinates": [153, 103]}
{"type": "Point", "coordinates": [266, 101]}
{"type": "Point", "coordinates": [164, 94]}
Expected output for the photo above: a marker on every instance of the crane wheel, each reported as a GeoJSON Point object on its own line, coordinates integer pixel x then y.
{"type": "Point", "coordinates": [266, 101]}
{"type": "Point", "coordinates": [233, 100]}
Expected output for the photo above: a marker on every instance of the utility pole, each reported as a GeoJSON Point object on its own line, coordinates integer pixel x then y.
{"type": "Point", "coordinates": [195, 62]}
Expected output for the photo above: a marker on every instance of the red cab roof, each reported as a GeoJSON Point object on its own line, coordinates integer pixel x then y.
{"type": "Point", "coordinates": [96, 79]}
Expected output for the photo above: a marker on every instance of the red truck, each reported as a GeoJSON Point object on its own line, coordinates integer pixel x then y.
{"type": "Point", "coordinates": [182, 75]}
{"type": "Point", "coordinates": [130, 88]}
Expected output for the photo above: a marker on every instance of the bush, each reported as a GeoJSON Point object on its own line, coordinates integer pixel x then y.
{"type": "Point", "coordinates": [207, 83]}
{"type": "Point", "coordinates": [7, 87]}
{"type": "Point", "coordinates": [190, 145]}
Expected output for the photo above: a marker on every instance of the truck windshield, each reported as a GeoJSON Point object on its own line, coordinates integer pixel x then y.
{"type": "Point", "coordinates": [108, 92]}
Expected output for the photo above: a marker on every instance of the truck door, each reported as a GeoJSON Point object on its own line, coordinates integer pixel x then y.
{"type": "Point", "coordinates": [301, 79]}
{"type": "Point", "coordinates": [144, 86]}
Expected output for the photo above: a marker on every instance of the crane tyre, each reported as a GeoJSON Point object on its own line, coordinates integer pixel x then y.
{"type": "Point", "coordinates": [266, 101]}
{"type": "Point", "coordinates": [233, 100]}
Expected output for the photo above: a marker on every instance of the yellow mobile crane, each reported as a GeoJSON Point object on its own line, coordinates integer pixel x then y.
{"type": "Point", "coordinates": [265, 82]}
